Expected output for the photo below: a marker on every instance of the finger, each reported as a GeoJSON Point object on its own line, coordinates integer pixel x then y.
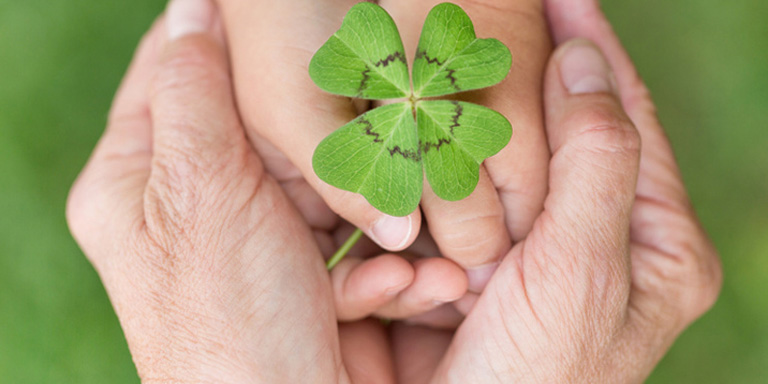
{"type": "Point", "coordinates": [270, 64]}
{"type": "Point", "coordinates": [660, 177]}
{"type": "Point", "coordinates": [112, 183]}
{"type": "Point", "coordinates": [129, 117]}
{"type": "Point", "coordinates": [437, 281]}
{"type": "Point", "coordinates": [471, 231]}
{"type": "Point", "coordinates": [682, 276]}
{"type": "Point", "coordinates": [360, 287]}
{"type": "Point", "coordinates": [593, 171]}
{"type": "Point", "coordinates": [366, 352]}
{"type": "Point", "coordinates": [196, 128]}
{"type": "Point", "coordinates": [519, 171]}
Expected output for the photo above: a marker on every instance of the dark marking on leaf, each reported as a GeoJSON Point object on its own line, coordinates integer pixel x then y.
{"type": "Point", "coordinates": [369, 130]}
{"type": "Point", "coordinates": [407, 154]}
{"type": "Point", "coordinates": [364, 81]}
{"type": "Point", "coordinates": [390, 58]}
{"type": "Point", "coordinates": [430, 60]}
{"type": "Point", "coordinates": [425, 147]}
{"type": "Point", "coordinates": [457, 112]}
{"type": "Point", "coordinates": [450, 77]}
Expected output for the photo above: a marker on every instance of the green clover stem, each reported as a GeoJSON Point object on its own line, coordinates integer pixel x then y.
{"type": "Point", "coordinates": [351, 240]}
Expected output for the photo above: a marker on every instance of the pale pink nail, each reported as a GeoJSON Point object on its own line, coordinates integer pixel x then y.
{"type": "Point", "coordinates": [583, 68]}
{"type": "Point", "coordinates": [392, 232]}
{"type": "Point", "coordinates": [184, 17]}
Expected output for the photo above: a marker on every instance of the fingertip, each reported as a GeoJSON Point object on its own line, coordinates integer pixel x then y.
{"type": "Point", "coordinates": [437, 281]}
{"type": "Point", "coordinates": [395, 233]}
{"type": "Point", "coordinates": [185, 17]}
{"type": "Point", "coordinates": [441, 279]}
{"type": "Point", "coordinates": [581, 94]}
{"type": "Point", "coordinates": [392, 233]}
{"type": "Point", "coordinates": [566, 15]}
{"type": "Point", "coordinates": [362, 286]}
{"type": "Point", "coordinates": [583, 68]}
{"type": "Point", "coordinates": [386, 274]}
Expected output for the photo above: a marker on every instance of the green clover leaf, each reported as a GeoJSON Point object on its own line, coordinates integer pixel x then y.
{"type": "Point", "coordinates": [384, 153]}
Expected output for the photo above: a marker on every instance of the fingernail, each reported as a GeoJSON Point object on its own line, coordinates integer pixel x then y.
{"type": "Point", "coordinates": [184, 17]}
{"type": "Point", "coordinates": [479, 277]}
{"type": "Point", "coordinates": [583, 68]}
{"type": "Point", "coordinates": [392, 232]}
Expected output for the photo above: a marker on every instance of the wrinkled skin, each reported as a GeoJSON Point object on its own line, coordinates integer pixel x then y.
{"type": "Point", "coordinates": [209, 240]}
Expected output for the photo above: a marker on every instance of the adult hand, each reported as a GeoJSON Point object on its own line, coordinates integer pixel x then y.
{"type": "Point", "coordinates": [215, 277]}
{"type": "Point", "coordinates": [272, 43]}
{"type": "Point", "coordinates": [615, 267]}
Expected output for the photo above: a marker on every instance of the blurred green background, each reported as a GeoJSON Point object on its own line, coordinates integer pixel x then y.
{"type": "Point", "coordinates": [60, 62]}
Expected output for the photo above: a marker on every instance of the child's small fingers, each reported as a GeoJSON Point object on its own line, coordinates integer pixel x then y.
{"type": "Point", "coordinates": [437, 281]}
{"type": "Point", "coordinates": [360, 287]}
{"type": "Point", "coordinates": [472, 231]}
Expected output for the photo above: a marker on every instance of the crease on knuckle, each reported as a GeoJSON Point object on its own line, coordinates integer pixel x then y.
{"type": "Point", "coordinates": [169, 227]}
{"type": "Point", "coordinates": [181, 205]}
{"type": "Point", "coordinates": [462, 240]}
{"type": "Point", "coordinates": [638, 96]}
{"type": "Point", "coordinates": [703, 280]}
{"type": "Point", "coordinates": [186, 180]}
{"type": "Point", "coordinates": [689, 288]}
{"type": "Point", "coordinates": [180, 156]}
{"type": "Point", "coordinates": [604, 132]}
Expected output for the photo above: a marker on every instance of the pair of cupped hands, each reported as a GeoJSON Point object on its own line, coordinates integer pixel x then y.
{"type": "Point", "coordinates": [578, 258]}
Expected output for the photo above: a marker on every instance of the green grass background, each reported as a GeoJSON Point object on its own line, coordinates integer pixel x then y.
{"type": "Point", "coordinates": [60, 62]}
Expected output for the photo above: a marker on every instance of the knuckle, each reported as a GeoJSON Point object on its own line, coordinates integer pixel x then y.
{"type": "Point", "coordinates": [462, 243]}
{"type": "Point", "coordinates": [88, 203]}
{"type": "Point", "coordinates": [172, 182]}
{"type": "Point", "coordinates": [696, 279]}
{"type": "Point", "coordinates": [706, 282]}
{"type": "Point", "coordinates": [603, 130]}
{"type": "Point", "coordinates": [76, 210]}
{"type": "Point", "coordinates": [185, 172]}
{"type": "Point", "coordinates": [186, 194]}
{"type": "Point", "coordinates": [180, 159]}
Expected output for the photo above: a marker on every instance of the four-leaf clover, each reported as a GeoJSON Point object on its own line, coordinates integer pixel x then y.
{"type": "Point", "coordinates": [380, 154]}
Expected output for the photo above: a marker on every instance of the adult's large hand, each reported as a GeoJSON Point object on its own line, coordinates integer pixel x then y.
{"type": "Point", "coordinates": [214, 275]}
{"type": "Point", "coordinates": [617, 264]}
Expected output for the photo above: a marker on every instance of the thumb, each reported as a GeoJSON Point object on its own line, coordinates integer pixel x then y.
{"type": "Point", "coordinates": [594, 166]}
